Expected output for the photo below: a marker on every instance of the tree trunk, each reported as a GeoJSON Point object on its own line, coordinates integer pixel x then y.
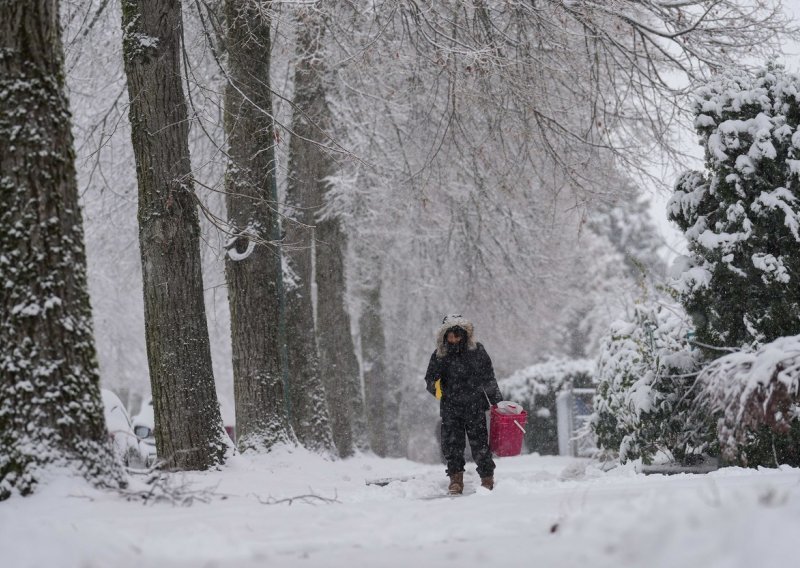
{"type": "Point", "coordinates": [336, 350]}
{"type": "Point", "coordinates": [312, 165]}
{"type": "Point", "coordinates": [310, 413]}
{"type": "Point", "coordinates": [50, 406]}
{"type": "Point", "coordinates": [311, 418]}
{"type": "Point", "coordinates": [252, 267]}
{"type": "Point", "coordinates": [380, 397]}
{"type": "Point", "coordinates": [188, 425]}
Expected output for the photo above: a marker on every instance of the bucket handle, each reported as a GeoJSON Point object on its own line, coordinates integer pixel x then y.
{"type": "Point", "coordinates": [490, 404]}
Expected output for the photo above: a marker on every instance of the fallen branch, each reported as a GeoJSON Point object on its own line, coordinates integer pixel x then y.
{"type": "Point", "coordinates": [165, 488]}
{"type": "Point", "coordinates": [310, 498]}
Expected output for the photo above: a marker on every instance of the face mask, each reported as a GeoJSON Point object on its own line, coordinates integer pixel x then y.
{"type": "Point", "coordinates": [455, 349]}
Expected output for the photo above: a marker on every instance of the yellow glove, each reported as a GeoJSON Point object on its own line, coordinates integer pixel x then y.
{"type": "Point", "coordinates": [438, 385]}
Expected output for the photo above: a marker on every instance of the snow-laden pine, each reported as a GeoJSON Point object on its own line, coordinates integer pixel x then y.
{"type": "Point", "coordinates": [739, 283]}
{"type": "Point", "coordinates": [645, 372]}
{"type": "Point", "coordinates": [741, 214]}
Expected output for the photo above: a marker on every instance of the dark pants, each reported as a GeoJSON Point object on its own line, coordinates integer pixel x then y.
{"type": "Point", "coordinates": [455, 423]}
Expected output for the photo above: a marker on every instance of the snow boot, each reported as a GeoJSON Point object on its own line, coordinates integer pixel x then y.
{"type": "Point", "coordinates": [456, 484]}
{"type": "Point", "coordinates": [488, 482]}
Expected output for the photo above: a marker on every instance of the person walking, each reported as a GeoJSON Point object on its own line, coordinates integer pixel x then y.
{"type": "Point", "coordinates": [462, 370]}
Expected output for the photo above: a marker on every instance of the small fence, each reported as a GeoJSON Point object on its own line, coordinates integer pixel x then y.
{"type": "Point", "coordinates": [574, 409]}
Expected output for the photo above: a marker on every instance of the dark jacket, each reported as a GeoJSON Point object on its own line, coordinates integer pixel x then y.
{"type": "Point", "coordinates": [467, 377]}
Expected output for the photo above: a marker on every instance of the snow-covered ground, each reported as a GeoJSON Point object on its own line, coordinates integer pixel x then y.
{"type": "Point", "coordinates": [545, 512]}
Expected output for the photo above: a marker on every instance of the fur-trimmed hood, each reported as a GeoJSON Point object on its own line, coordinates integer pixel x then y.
{"type": "Point", "coordinates": [454, 321]}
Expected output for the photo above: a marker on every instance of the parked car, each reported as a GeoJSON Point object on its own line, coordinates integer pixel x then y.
{"type": "Point", "coordinates": [144, 427]}
{"type": "Point", "coordinates": [120, 431]}
{"type": "Point", "coordinates": [231, 430]}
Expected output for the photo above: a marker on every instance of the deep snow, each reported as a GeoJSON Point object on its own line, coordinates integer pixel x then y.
{"type": "Point", "coordinates": [545, 512]}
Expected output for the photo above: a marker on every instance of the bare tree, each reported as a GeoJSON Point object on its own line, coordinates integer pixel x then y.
{"type": "Point", "coordinates": [336, 349]}
{"type": "Point", "coordinates": [51, 412]}
{"type": "Point", "coordinates": [496, 127]}
{"type": "Point", "coordinates": [311, 166]}
{"type": "Point", "coordinates": [381, 392]}
{"type": "Point", "coordinates": [253, 266]}
{"type": "Point", "coordinates": [490, 133]}
{"type": "Point", "coordinates": [188, 426]}
{"type": "Point", "coordinates": [495, 130]}
{"type": "Point", "coordinates": [589, 75]}
{"type": "Point", "coordinates": [311, 415]}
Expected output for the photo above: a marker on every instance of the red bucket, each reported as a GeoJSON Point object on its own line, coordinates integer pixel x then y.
{"type": "Point", "coordinates": [506, 433]}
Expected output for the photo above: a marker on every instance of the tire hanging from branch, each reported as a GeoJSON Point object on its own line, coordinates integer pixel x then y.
{"type": "Point", "coordinates": [254, 272]}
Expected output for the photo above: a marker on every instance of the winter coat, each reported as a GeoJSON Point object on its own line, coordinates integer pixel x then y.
{"type": "Point", "coordinates": [465, 376]}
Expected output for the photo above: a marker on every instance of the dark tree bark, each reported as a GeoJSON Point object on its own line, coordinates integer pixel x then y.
{"type": "Point", "coordinates": [51, 412]}
{"type": "Point", "coordinates": [252, 267]}
{"type": "Point", "coordinates": [189, 433]}
{"type": "Point", "coordinates": [382, 391]}
{"type": "Point", "coordinates": [311, 419]}
{"type": "Point", "coordinates": [313, 164]}
{"type": "Point", "coordinates": [336, 350]}
{"type": "Point", "coordinates": [378, 394]}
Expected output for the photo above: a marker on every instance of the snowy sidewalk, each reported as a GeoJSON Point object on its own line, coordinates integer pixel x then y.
{"type": "Point", "coordinates": [544, 513]}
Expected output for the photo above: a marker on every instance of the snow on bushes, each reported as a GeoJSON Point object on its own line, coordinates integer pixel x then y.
{"type": "Point", "coordinates": [755, 399]}
{"type": "Point", "coordinates": [741, 215]}
{"type": "Point", "coordinates": [536, 388]}
{"type": "Point", "coordinates": [645, 371]}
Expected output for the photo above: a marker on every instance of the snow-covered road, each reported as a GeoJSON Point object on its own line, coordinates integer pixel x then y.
{"type": "Point", "coordinates": [545, 512]}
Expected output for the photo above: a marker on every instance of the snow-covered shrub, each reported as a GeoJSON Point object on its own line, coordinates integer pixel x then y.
{"type": "Point", "coordinates": [645, 371]}
{"type": "Point", "coordinates": [756, 399]}
{"type": "Point", "coordinates": [536, 388]}
{"type": "Point", "coordinates": [741, 282]}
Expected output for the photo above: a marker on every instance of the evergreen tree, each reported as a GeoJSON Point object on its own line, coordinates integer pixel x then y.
{"type": "Point", "coordinates": [740, 215]}
{"type": "Point", "coordinates": [51, 412]}
{"type": "Point", "coordinates": [645, 373]}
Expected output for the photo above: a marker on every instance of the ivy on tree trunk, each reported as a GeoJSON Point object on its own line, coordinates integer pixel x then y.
{"type": "Point", "coordinates": [51, 413]}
